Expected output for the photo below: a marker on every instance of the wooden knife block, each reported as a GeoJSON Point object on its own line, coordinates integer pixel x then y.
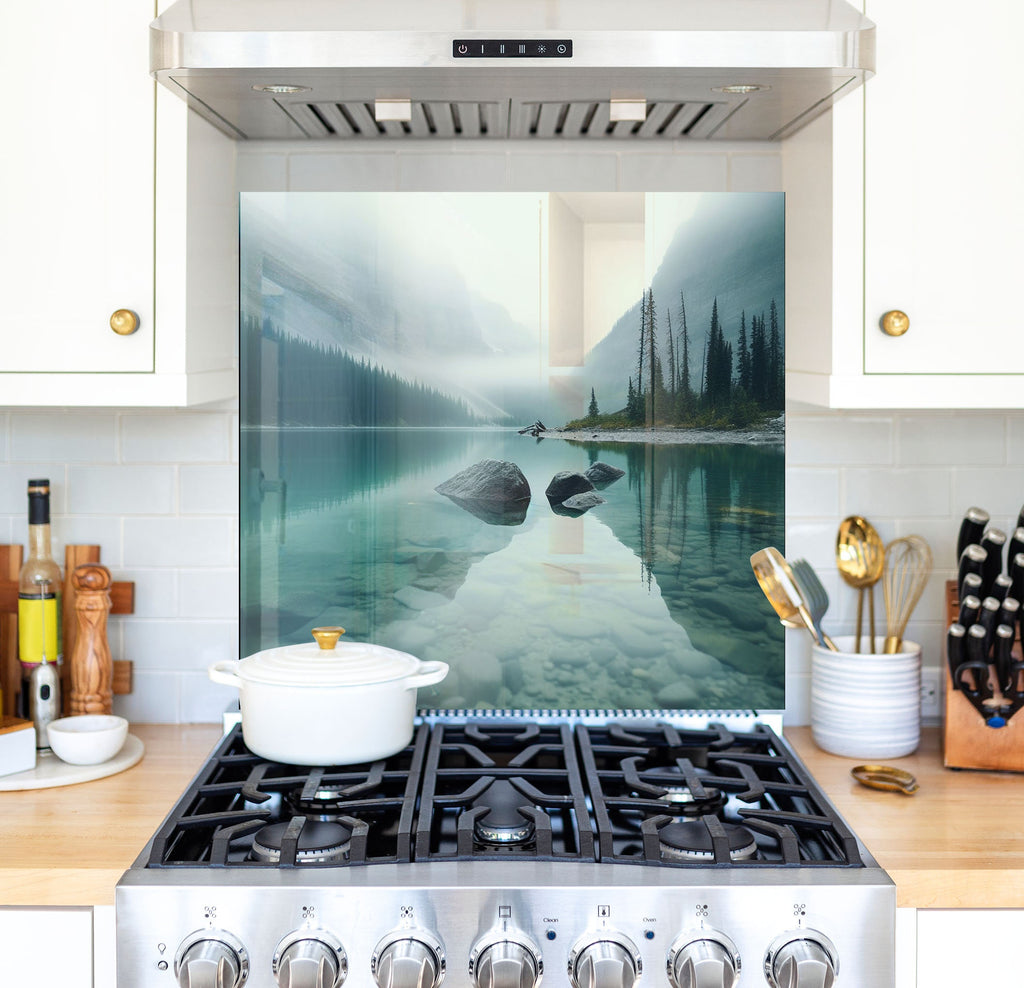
{"type": "Point", "coordinates": [967, 741]}
{"type": "Point", "coordinates": [122, 595]}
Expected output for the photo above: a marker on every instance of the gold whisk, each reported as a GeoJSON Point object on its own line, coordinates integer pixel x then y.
{"type": "Point", "coordinates": [908, 564]}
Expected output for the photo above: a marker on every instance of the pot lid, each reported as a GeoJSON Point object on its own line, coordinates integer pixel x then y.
{"type": "Point", "coordinates": [328, 662]}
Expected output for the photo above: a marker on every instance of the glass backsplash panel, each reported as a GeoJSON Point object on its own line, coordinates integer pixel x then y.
{"type": "Point", "coordinates": [534, 435]}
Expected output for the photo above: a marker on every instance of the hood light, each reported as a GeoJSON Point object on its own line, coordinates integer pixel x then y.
{"type": "Point", "coordinates": [741, 89]}
{"type": "Point", "coordinates": [281, 90]}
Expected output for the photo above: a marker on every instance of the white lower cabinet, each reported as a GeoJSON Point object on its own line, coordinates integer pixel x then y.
{"type": "Point", "coordinates": [44, 947]}
{"type": "Point", "coordinates": [969, 947]}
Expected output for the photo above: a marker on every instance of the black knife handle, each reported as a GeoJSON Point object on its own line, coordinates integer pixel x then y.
{"type": "Point", "coordinates": [1005, 636]}
{"type": "Point", "coordinates": [956, 652]}
{"type": "Point", "coordinates": [1001, 587]}
{"type": "Point", "coordinates": [1017, 576]}
{"type": "Point", "coordinates": [1009, 612]}
{"type": "Point", "coordinates": [973, 559]}
{"type": "Point", "coordinates": [969, 609]}
{"type": "Point", "coordinates": [977, 661]}
{"type": "Point", "coordinates": [1016, 545]}
{"type": "Point", "coordinates": [975, 520]}
{"type": "Point", "coordinates": [1020, 518]}
{"type": "Point", "coordinates": [988, 618]}
{"type": "Point", "coordinates": [993, 542]}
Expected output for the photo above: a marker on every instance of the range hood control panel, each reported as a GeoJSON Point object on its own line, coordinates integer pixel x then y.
{"type": "Point", "coordinates": [516, 48]}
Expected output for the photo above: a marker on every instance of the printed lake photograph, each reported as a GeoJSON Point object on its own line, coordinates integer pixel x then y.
{"type": "Point", "coordinates": [536, 436]}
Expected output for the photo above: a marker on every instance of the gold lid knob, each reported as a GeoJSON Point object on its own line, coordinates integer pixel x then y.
{"type": "Point", "coordinates": [895, 323]}
{"type": "Point", "coordinates": [124, 322]}
{"type": "Point", "coordinates": [327, 638]}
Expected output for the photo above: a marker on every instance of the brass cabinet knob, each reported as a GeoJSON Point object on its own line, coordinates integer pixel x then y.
{"type": "Point", "coordinates": [895, 323]}
{"type": "Point", "coordinates": [124, 322]}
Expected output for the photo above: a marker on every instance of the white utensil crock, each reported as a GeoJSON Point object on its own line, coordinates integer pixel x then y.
{"type": "Point", "coordinates": [335, 705]}
{"type": "Point", "coordinates": [863, 705]}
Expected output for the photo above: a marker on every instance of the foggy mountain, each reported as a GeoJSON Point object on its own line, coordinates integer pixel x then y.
{"type": "Point", "coordinates": [732, 249]}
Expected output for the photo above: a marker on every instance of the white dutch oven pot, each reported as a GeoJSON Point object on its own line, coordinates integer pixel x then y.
{"type": "Point", "coordinates": [326, 703]}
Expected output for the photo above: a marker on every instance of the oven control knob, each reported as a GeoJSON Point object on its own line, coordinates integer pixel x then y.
{"type": "Point", "coordinates": [705, 960]}
{"type": "Point", "coordinates": [801, 959]}
{"type": "Point", "coordinates": [505, 961]}
{"type": "Point", "coordinates": [211, 959]}
{"type": "Point", "coordinates": [608, 960]}
{"type": "Point", "coordinates": [310, 959]}
{"type": "Point", "coordinates": [410, 959]}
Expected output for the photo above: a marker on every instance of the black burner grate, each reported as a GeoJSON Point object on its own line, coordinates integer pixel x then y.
{"type": "Point", "coordinates": [615, 793]}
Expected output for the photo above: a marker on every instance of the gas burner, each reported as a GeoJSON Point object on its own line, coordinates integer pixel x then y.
{"type": "Point", "coordinates": [319, 843]}
{"type": "Point", "coordinates": [502, 824]}
{"type": "Point", "coordinates": [682, 802]}
{"type": "Point", "coordinates": [691, 841]}
{"type": "Point", "coordinates": [327, 803]}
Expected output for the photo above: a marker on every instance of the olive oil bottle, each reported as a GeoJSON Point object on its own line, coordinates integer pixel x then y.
{"type": "Point", "coordinates": [39, 594]}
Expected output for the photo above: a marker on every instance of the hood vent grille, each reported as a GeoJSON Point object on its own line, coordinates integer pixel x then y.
{"type": "Point", "coordinates": [576, 119]}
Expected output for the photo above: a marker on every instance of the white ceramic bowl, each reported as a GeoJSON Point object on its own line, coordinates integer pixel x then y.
{"type": "Point", "coordinates": [88, 739]}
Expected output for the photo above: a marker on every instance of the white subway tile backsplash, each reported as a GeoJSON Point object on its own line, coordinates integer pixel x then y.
{"type": "Point", "coordinates": [175, 437]}
{"type": "Point", "coordinates": [468, 172]}
{"type": "Point", "coordinates": [155, 698]}
{"type": "Point", "coordinates": [999, 490]}
{"type": "Point", "coordinates": [208, 593]}
{"type": "Point", "coordinates": [209, 490]}
{"type": "Point", "coordinates": [813, 493]}
{"type": "Point", "coordinates": [14, 478]}
{"type": "Point", "coordinates": [342, 172]}
{"type": "Point", "coordinates": [896, 493]}
{"type": "Point", "coordinates": [1015, 439]}
{"type": "Point", "coordinates": [76, 437]}
{"type": "Point", "coordinates": [122, 490]}
{"type": "Point", "coordinates": [813, 440]}
{"type": "Point", "coordinates": [963, 439]}
{"type": "Point", "coordinates": [156, 592]}
{"type": "Point", "coordinates": [101, 530]}
{"type": "Point", "coordinates": [565, 172]}
{"type": "Point", "coordinates": [178, 542]}
{"type": "Point", "coordinates": [653, 172]}
{"type": "Point", "coordinates": [203, 701]}
{"type": "Point", "coordinates": [179, 645]}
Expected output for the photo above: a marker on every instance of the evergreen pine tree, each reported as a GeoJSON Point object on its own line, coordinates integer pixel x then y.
{"type": "Point", "coordinates": [592, 411]}
{"type": "Point", "coordinates": [776, 361]}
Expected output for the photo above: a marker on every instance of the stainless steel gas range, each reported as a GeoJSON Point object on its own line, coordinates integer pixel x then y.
{"type": "Point", "coordinates": [500, 852]}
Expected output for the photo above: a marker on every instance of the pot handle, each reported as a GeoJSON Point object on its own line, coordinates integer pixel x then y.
{"type": "Point", "coordinates": [429, 673]}
{"type": "Point", "coordinates": [224, 673]}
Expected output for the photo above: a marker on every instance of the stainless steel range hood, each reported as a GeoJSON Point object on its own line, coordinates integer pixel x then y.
{"type": "Point", "coordinates": [498, 69]}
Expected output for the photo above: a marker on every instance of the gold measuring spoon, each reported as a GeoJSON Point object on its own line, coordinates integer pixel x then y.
{"type": "Point", "coordinates": [885, 777]}
{"type": "Point", "coordinates": [860, 559]}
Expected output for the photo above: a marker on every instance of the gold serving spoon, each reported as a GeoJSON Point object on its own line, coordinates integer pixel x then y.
{"type": "Point", "coordinates": [860, 559]}
{"type": "Point", "coordinates": [776, 580]}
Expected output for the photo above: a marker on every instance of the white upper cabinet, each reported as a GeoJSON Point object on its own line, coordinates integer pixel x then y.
{"type": "Point", "coordinates": [926, 215]}
{"type": "Point", "coordinates": [97, 216]}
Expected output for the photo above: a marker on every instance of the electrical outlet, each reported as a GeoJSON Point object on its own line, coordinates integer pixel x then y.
{"type": "Point", "coordinates": [931, 694]}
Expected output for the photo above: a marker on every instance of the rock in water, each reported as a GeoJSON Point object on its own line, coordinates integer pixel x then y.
{"type": "Point", "coordinates": [583, 502]}
{"type": "Point", "coordinates": [494, 490]}
{"type": "Point", "coordinates": [565, 483]}
{"type": "Point", "coordinates": [603, 473]}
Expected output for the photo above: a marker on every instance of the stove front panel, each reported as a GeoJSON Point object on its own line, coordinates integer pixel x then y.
{"type": "Point", "coordinates": [456, 911]}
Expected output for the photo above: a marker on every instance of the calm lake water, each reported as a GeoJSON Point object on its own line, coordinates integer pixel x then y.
{"type": "Point", "coordinates": [646, 601]}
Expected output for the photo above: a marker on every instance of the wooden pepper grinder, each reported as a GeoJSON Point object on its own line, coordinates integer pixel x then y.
{"type": "Point", "coordinates": [92, 670]}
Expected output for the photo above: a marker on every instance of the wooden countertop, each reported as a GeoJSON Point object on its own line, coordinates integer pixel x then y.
{"type": "Point", "coordinates": [958, 843]}
{"type": "Point", "coordinates": [69, 846]}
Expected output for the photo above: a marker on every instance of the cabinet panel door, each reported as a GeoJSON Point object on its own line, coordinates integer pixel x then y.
{"type": "Point", "coordinates": [42, 946]}
{"type": "Point", "coordinates": [76, 186]}
{"type": "Point", "coordinates": [944, 202]}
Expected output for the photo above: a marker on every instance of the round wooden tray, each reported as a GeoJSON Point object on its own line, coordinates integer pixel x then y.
{"type": "Point", "coordinates": [50, 771]}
